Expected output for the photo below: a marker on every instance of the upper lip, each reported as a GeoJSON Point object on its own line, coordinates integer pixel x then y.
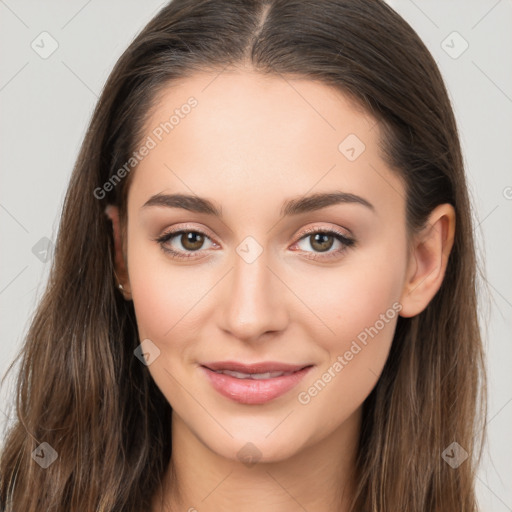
{"type": "Point", "coordinates": [261, 367]}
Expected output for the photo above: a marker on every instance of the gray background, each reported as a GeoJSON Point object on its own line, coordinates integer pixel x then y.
{"type": "Point", "coordinates": [46, 104]}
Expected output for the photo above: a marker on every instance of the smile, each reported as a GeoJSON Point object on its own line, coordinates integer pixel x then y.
{"type": "Point", "coordinates": [254, 384]}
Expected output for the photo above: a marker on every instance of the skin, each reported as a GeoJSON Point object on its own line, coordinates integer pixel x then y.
{"type": "Point", "coordinates": [251, 143]}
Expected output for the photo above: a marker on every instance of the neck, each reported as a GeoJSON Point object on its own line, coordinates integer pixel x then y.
{"type": "Point", "coordinates": [319, 477]}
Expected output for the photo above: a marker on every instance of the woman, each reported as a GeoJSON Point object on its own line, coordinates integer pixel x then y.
{"type": "Point", "coordinates": [263, 290]}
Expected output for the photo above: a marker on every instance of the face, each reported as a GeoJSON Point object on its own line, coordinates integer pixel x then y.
{"type": "Point", "coordinates": [312, 285]}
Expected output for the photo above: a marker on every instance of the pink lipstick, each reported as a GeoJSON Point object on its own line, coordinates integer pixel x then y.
{"type": "Point", "coordinates": [255, 383]}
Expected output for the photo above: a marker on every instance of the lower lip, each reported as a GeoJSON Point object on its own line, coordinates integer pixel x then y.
{"type": "Point", "coordinates": [253, 391]}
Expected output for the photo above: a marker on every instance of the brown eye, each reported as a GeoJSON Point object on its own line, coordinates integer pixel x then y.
{"type": "Point", "coordinates": [191, 240]}
{"type": "Point", "coordinates": [183, 243]}
{"type": "Point", "coordinates": [321, 241]}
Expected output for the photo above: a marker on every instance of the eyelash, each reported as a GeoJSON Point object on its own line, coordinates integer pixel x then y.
{"type": "Point", "coordinates": [346, 241]}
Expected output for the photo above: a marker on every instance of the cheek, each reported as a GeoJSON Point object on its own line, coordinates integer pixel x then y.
{"type": "Point", "coordinates": [163, 294]}
{"type": "Point", "coordinates": [167, 301]}
{"type": "Point", "coordinates": [155, 309]}
{"type": "Point", "coordinates": [361, 307]}
{"type": "Point", "coordinates": [352, 297]}
{"type": "Point", "coordinates": [361, 320]}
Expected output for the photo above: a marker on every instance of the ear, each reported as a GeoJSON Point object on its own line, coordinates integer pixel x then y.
{"type": "Point", "coordinates": [428, 259]}
{"type": "Point", "coordinates": [121, 271]}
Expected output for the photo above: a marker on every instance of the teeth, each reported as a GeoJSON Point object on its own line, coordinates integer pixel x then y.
{"type": "Point", "coordinates": [256, 376]}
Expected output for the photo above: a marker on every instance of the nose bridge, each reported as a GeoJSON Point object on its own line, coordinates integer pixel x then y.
{"type": "Point", "coordinates": [254, 302]}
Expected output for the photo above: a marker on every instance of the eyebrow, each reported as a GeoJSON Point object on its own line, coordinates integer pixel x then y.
{"type": "Point", "coordinates": [294, 206]}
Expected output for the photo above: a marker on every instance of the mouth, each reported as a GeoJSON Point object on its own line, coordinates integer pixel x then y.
{"type": "Point", "coordinates": [253, 384]}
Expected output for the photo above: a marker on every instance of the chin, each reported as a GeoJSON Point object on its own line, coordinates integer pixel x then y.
{"type": "Point", "coordinates": [257, 446]}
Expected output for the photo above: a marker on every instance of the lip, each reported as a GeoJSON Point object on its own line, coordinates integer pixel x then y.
{"type": "Point", "coordinates": [252, 391]}
{"type": "Point", "coordinates": [260, 367]}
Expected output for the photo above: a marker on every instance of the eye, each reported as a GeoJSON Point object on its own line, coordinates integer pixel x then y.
{"type": "Point", "coordinates": [183, 243]}
{"type": "Point", "coordinates": [188, 241]}
{"type": "Point", "coordinates": [322, 240]}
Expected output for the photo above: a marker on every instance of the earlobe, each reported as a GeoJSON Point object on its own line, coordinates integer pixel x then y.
{"type": "Point", "coordinates": [428, 261]}
{"type": "Point", "coordinates": [121, 271]}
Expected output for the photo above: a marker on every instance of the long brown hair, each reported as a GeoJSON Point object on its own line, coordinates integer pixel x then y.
{"type": "Point", "coordinates": [81, 390]}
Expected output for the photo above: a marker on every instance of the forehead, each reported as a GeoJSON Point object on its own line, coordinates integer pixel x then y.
{"type": "Point", "coordinates": [233, 132]}
{"type": "Point", "coordinates": [245, 105]}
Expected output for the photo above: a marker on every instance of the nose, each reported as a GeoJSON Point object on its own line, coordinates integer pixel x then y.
{"type": "Point", "coordinates": [254, 300]}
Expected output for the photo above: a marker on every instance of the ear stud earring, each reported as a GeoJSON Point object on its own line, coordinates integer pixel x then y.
{"type": "Point", "coordinates": [119, 285]}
